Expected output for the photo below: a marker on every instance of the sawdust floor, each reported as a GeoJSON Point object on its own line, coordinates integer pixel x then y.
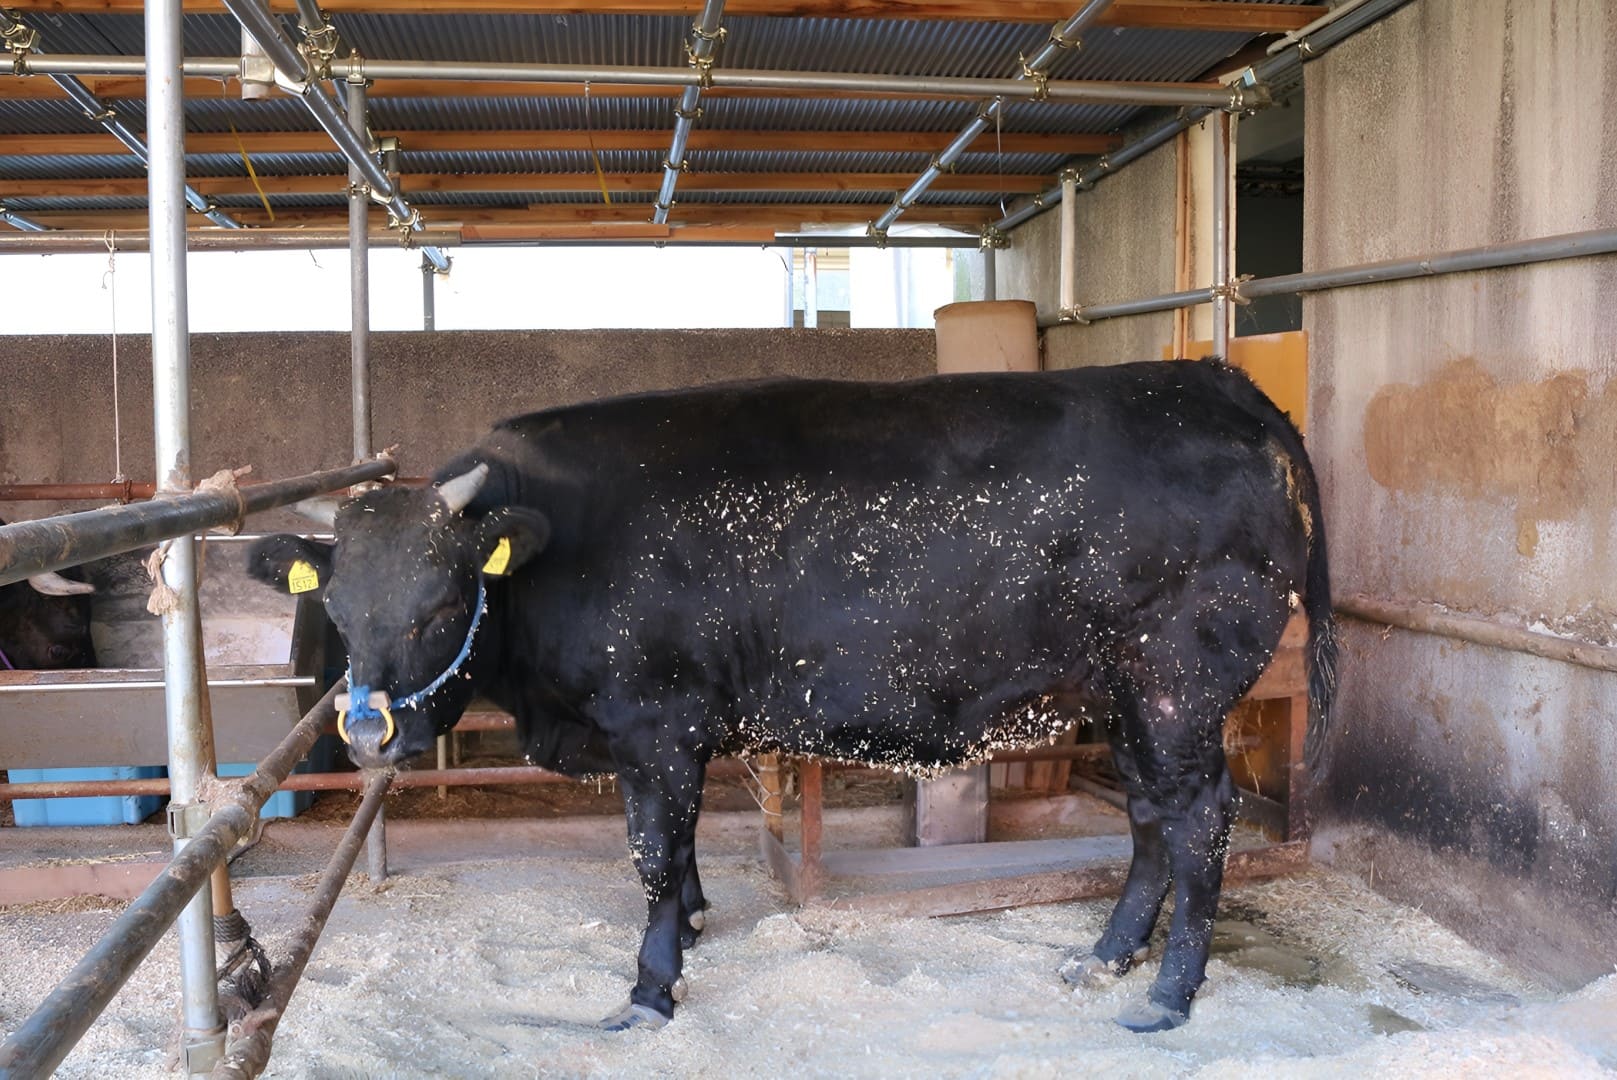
{"type": "Point", "coordinates": [499, 967]}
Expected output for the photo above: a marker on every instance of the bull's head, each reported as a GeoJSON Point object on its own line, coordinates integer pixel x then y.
{"type": "Point", "coordinates": [403, 583]}
{"type": "Point", "coordinates": [46, 623]}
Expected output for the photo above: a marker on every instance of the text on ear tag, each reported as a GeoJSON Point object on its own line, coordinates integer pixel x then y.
{"type": "Point", "coordinates": [302, 578]}
{"type": "Point", "coordinates": [499, 559]}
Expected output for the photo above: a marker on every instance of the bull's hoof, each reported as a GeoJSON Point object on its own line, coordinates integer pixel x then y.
{"type": "Point", "coordinates": [1147, 1016]}
{"type": "Point", "coordinates": [698, 920]}
{"type": "Point", "coordinates": [679, 989]}
{"type": "Point", "coordinates": [634, 1016]}
{"type": "Point", "coordinates": [1092, 973]}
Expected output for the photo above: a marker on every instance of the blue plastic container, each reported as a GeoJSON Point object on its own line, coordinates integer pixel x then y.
{"type": "Point", "coordinates": [88, 810]}
{"type": "Point", "coordinates": [286, 804]}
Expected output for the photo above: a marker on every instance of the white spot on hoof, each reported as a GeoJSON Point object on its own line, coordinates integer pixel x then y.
{"type": "Point", "coordinates": [698, 920]}
{"type": "Point", "coordinates": [679, 989]}
{"type": "Point", "coordinates": [1092, 973]}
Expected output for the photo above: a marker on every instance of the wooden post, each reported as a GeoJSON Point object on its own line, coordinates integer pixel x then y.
{"type": "Point", "coordinates": [769, 779]}
{"type": "Point", "coordinates": [811, 872]}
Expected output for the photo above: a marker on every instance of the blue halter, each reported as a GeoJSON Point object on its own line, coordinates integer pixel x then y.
{"type": "Point", "coordinates": [359, 697]}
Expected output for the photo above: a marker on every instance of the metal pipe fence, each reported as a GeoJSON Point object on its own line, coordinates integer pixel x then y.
{"type": "Point", "coordinates": [41, 1041]}
{"type": "Point", "coordinates": [34, 547]}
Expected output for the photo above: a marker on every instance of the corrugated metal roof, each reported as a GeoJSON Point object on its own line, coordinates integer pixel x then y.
{"type": "Point", "coordinates": [888, 46]}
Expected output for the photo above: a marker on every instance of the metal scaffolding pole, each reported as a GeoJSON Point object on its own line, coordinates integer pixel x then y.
{"type": "Point", "coordinates": [1222, 156]}
{"type": "Point", "coordinates": [34, 547]}
{"type": "Point", "coordinates": [706, 33]}
{"type": "Point", "coordinates": [1062, 36]}
{"type": "Point", "coordinates": [1068, 278]}
{"type": "Point", "coordinates": [295, 68]}
{"type": "Point", "coordinates": [250, 1052]}
{"type": "Point", "coordinates": [22, 40]}
{"type": "Point", "coordinates": [1579, 245]}
{"type": "Point", "coordinates": [359, 278]}
{"type": "Point", "coordinates": [1075, 91]}
{"type": "Point", "coordinates": [429, 295]}
{"type": "Point", "coordinates": [94, 241]}
{"type": "Point", "coordinates": [190, 730]}
{"type": "Point", "coordinates": [26, 224]}
{"type": "Point", "coordinates": [1273, 70]}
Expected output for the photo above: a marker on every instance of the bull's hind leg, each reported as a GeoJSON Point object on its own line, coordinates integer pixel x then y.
{"type": "Point", "coordinates": [1128, 931]}
{"type": "Point", "coordinates": [1197, 838]}
{"type": "Point", "coordinates": [661, 814]}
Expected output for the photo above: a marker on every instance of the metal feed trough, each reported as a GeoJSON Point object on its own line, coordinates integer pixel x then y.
{"type": "Point", "coordinates": [265, 657]}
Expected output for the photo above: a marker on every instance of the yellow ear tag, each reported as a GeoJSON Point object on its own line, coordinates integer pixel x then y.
{"type": "Point", "coordinates": [499, 559]}
{"type": "Point", "coordinates": [302, 578]}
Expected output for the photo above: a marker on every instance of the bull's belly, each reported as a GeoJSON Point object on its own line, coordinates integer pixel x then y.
{"type": "Point", "coordinates": [921, 740]}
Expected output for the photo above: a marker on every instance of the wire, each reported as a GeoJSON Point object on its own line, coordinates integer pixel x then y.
{"type": "Point", "coordinates": [109, 281]}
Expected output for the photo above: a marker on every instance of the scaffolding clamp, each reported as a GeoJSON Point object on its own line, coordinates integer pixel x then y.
{"type": "Point", "coordinates": [406, 226]}
{"type": "Point", "coordinates": [878, 235]}
{"type": "Point", "coordinates": [322, 42]}
{"type": "Point", "coordinates": [692, 115]}
{"type": "Point", "coordinates": [990, 237]}
{"type": "Point", "coordinates": [703, 63]}
{"type": "Point", "coordinates": [1040, 80]}
{"type": "Point", "coordinates": [356, 65]}
{"type": "Point", "coordinates": [185, 820]}
{"type": "Point", "coordinates": [1231, 290]}
{"type": "Point", "coordinates": [1072, 316]}
{"type": "Point", "coordinates": [679, 167]}
{"type": "Point", "coordinates": [1247, 95]}
{"type": "Point", "coordinates": [20, 39]}
{"type": "Point", "coordinates": [1061, 41]}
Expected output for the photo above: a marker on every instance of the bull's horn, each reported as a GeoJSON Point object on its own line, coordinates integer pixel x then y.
{"type": "Point", "coordinates": [458, 492]}
{"type": "Point", "coordinates": [57, 585]}
{"type": "Point", "coordinates": [320, 510]}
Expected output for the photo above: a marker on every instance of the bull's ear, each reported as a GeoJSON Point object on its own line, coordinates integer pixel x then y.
{"type": "Point", "coordinates": [290, 563]}
{"type": "Point", "coordinates": [510, 536]}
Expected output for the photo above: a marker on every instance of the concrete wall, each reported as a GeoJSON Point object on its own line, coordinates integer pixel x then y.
{"type": "Point", "coordinates": [1465, 429]}
{"type": "Point", "coordinates": [280, 401]}
{"type": "Point", "coordinates": [1125, 246]}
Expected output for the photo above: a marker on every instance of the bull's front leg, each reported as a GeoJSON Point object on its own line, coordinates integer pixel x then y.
{"type": "Point", "coordinates": [661, 809]}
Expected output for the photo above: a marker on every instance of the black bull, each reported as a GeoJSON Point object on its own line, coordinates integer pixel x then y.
{"type": "Point", "coordinates": [45, 622]}
{"type": "Point", "coordinates": [905, 574]}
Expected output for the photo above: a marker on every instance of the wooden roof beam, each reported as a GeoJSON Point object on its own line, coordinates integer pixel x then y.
{"type": "Point", "coordinates": [1157, 14]}
{"type": "Point", "coordinates": [316, 142]}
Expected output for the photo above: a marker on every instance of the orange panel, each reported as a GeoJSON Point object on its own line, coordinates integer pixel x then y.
{"type": "Point", "coordinates": [1278, 363]}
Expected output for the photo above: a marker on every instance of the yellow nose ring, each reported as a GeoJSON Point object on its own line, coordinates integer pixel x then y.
{"type": "Point", "coordinates": [382, 706]}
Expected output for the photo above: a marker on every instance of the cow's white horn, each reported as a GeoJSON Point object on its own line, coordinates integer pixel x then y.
{"type": "Point", "coordinates": [322, 510]}
{"type": "Point", "coordinates": [458, 492]}
{"type": "Point", "coordinates": [57, 585]}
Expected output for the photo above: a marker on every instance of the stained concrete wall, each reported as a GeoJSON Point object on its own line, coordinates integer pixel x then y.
{"type": "Point", "coordinates": [280, 401]}
{"type": "Point", "coordinates": [1125, 251]}
{"type": "Point", "coordinates": [1465, 430]}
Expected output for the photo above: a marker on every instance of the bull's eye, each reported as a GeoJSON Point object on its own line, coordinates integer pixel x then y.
{"type": "Point", "coordinates": [60, 654]}
{"type": "Point", "coordinates": [444, 612]}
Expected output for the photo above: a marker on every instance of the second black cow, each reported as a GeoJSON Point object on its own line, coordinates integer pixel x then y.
{"type": "Point", "coordinates": [906, 574]}
{"type": "Point", "coordinates": [45, 623]}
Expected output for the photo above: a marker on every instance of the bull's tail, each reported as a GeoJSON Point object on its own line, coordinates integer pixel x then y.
{"type": "Point", "coordinates": [1321, 655]}
{"type": "Point", "coordinates": [1304, 492]}
{"type": "Point", "coordinates": [1321, 624]}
